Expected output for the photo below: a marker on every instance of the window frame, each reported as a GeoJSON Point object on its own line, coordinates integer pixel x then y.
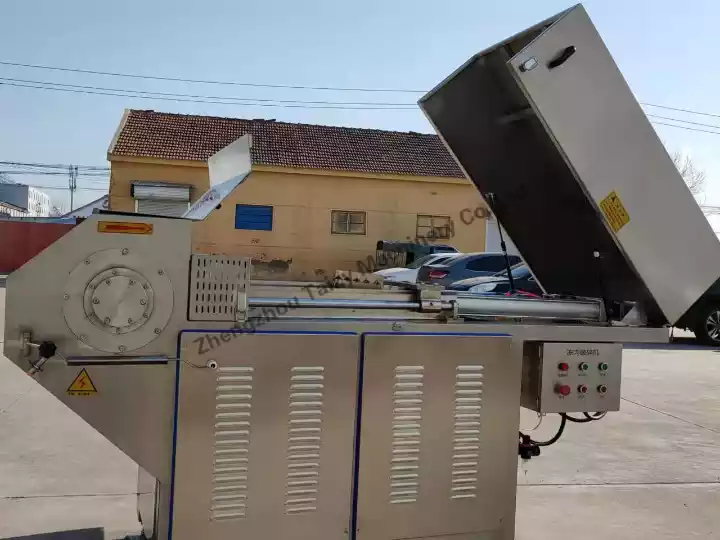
{"type": "Point", "coordinates": [432, 227]}
{"type": "Point", "coordinates": [348, 222]}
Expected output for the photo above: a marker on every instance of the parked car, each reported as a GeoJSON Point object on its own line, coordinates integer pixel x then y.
{"type": "Point", "coordinates": [703, 318]}
{"type": "Point", "coordinates": [463, 267]}
{"type": "Point", "coordinates": [408, 252]}
{"type": "Point", "coordinates": [409, 273]}
{"type": "Point", "coordinates": [499, 283]}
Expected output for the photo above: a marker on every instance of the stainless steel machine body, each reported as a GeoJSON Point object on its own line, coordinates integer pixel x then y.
{"type": "Point", "coordinates": [360, 419]}
{"type": "Point", "coordinates": [315, 411]}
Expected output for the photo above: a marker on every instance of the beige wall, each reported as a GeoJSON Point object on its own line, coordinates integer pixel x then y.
{"type": "Point", "coordinates": [124, 173]}
{"type": "Point", "coordinates": [302, 202]}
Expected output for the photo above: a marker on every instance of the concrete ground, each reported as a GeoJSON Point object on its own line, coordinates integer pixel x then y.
{"type": "Point", "coordinates": [651, 471]}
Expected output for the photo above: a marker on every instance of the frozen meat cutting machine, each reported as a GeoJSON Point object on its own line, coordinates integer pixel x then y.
{"type": "Point", "coordinates": [318, 411]}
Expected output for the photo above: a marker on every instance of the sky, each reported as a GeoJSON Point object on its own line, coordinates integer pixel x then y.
{"type": "Point", "coordinates": [665, 49]}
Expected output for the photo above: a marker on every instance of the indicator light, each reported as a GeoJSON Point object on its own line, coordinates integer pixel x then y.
{"type": "Point", "coordinates": [603, 366]}
{"type": "Point", "coordinates": [602, 388]}
{"type": "Point", "coordinates": [563, 366]}
{"type": "Point", "coordinates": [582, 389]}
{"type": "Point", "coordinates": [583, 366]}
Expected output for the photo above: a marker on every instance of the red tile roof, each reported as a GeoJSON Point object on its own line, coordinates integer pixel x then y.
{"type": "Point", "coordinates": [189, 137]}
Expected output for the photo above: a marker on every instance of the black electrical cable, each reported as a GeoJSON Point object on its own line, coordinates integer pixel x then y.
{"type": "Point", "coordinates": [564, 418]}
{"type": "Point", "coordinates": [555, 438]}
{"type": "Point", "coordinates": [578, 420]}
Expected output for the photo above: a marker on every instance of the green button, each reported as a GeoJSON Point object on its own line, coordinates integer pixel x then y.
{"type": "Point", "coordinates": [584, 366]}
{"type": "Point", "coordinates": [603, 366]}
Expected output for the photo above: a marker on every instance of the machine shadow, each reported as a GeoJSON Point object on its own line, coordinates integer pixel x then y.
{"type": "Point", "coordinates": [96, 533]}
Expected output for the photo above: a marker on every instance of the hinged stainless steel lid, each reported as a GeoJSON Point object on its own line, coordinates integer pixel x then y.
{"type": "Point", "coordinates": [546, 127]}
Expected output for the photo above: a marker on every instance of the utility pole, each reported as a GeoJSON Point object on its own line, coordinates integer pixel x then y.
{"type": "Point", "coordinates": [72, 183]}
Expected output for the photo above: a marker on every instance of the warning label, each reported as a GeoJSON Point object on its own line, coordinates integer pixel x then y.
{"type": "Point", "coordinates": [82, 385]}
{"type": "Point", "coordinates": [614, 211]}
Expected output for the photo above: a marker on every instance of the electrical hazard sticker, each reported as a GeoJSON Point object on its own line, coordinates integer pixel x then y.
{"type": "Point", "coordinates": [614, 211]}
{"type": "Point", "coordinates": [82, 385]}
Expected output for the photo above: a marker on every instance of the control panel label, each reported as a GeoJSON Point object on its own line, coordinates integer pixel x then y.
{"type": "Point", "coordinates": [582, 352]}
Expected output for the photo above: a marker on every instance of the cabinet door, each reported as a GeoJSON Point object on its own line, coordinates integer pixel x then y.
{"type": "Point", "coordinates": [438, 437]}
{"type": "Point", "coordinates": [265, 442]}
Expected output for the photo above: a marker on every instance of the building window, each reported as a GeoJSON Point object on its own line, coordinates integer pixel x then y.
{"type": "Point", "coordinates": [161, 198]}
{"type": "Point", "coordinates": [433, 227]}
{"type": "Point", "coordinates": [252, 217]}
{"type": "Point", "coordinates": [344, 222]}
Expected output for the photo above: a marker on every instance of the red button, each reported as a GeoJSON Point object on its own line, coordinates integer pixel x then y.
{"type": "Point", "coordinates": [582, 389]}
{"type": "Point", "coordinates": [563, 389]}
{"type": "Point", "coordinates": [563, 366]}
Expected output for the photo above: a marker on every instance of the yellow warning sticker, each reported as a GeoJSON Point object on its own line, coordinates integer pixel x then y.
{"type": "Point", "coordinates": [82, 385]}
{"type": "Point", "coordinates": [614, 211]}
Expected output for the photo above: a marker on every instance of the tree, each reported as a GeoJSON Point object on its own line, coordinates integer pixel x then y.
{"type": "Point", "coordinates": [694, 177]}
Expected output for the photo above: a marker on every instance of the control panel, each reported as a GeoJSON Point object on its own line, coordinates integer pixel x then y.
{"type": "Point", "coordinates": [571, 377]}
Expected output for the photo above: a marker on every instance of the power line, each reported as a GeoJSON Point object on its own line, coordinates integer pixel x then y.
{"type": "Point", "coordinates": [54, 173]}
{"type": "Point", "coordinates": [52, 165]}
{"type": "Point", "coordinates": [233, 98]}
{"type": "Point", "coordinates": [91, 174]}
{"type": "Point", "coordinates": [688, 128]}
{"type": "Point", "coordinates": [689, 111]}
{"type": "Point", "coordinates": [91, 180]}
{"type": "Point", "coordinates": [65, 188]}
{"type": "Point", "coordinates": [304, 106]}
{"type": "Point", "coordinates": [284, 104]}
{"type": "Point", "coordinates": [141, 95]}
{"type": "Point", "coordinates": [287, 86]}
{"type": "Point", "coordinates": [683, 121]}
{"type": "Point", "coordinates": [75, 91]}
{"type": "Point", "coordinates": [253, 102]}
{"type": "Point", "coordinates": [203, 81]}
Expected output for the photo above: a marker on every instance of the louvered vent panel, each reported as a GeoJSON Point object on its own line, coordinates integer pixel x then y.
{"type": "Point", "coordinates": [233, 409]}
{"type": "Point", "coordinates": [406, 426]}
{"type": "Point", "coordinates": [466, 431]}
{"type": "Point", "coordinates": [305, 423]}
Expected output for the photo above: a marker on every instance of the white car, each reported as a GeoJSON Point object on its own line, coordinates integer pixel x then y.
{"type": "Point", "coordinates": [409, 273]}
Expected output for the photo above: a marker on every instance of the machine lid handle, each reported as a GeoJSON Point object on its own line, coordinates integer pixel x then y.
{"type": "Point", "coordinates": [563, 57]}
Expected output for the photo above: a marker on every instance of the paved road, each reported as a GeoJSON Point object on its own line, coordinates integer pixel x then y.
{"type": "Point", "coordinates": [649, 472]}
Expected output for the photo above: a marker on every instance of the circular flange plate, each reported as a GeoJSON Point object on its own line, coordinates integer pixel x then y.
{"type": "Point", "coordinates": [118, 300]}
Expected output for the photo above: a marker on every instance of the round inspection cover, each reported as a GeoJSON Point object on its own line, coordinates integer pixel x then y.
{"type": "Point", "coordinates": [118, 300]}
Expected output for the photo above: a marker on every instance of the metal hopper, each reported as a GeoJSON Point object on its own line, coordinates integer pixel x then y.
{"type": "Point", "coordinates": [546, 127]}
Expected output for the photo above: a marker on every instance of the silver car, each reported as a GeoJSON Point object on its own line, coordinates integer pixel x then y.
{"type": "Point", "coordinates": [465, 266]}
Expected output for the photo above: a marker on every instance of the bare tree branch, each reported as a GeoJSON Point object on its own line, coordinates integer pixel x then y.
{"type": "Point", "coordinates": [694, 177]}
